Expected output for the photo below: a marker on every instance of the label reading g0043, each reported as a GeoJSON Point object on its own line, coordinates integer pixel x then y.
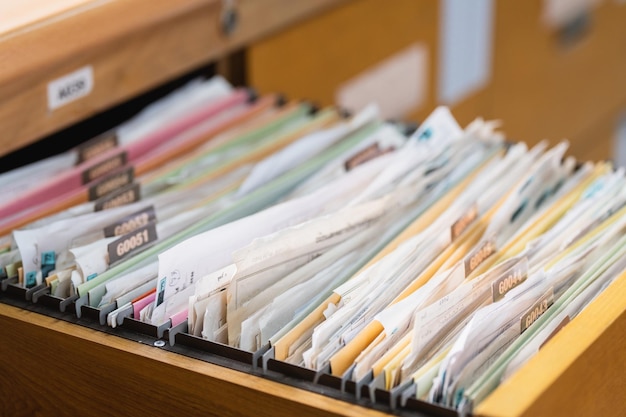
{"type": "Point", "coordinates": [131, 243]}
{"type": "Point", "coordinates": [536, 310]}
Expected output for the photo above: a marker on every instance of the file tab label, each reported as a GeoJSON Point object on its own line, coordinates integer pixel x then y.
{"type": "Point", "coordinates": [131, 222]}
{"type": "Point", "coordinates": [96, 146]}
{"type": "Point", "coordinates": [534, 312]}
{"type": "Point", "coordinates": [125, 195]}
{"type": "Point", "coordinates": [367, 154]}
{"type": "Point", "coordinates": [102, 168]}
{"type": "Point", "coordinates": [111, 183]}
{"type": "Point", "coordinates": [510, 280]}
{"type": "Point", "coordinates": [465, 221]}
{"type": "Point", "coordinates": [131, 243]}
{"type": "Point", "coordinates": [478, 256]}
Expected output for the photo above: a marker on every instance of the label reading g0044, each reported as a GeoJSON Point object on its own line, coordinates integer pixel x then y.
{"type": "Point", "coordinates": [508, 281]}
{"type": "Point", "coordinates": [131, 243]}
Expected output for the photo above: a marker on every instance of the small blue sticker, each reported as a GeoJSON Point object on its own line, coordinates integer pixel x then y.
{"type": "Point", "coordinates": [426, 134]}
{"type": "Point", "coordinates": [48, 258]}
{"type": "Point", "coordinates": [48, 263]}
{"type": "Point", "coordinates": [31, 279]}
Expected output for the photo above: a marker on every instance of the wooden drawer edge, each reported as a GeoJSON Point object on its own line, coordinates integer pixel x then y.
{"type": "Point", "coordinates": [580, 371]}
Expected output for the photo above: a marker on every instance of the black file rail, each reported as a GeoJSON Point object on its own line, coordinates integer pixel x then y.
{"type": "Point", "coordinates": [400, 401]}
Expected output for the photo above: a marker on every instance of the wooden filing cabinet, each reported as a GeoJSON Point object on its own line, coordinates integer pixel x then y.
{"type": "Point", "coordinates": [318, 57]}
{"type": "Point", "coordinates": [547, 82]}
{"type": "Point", "coordinates": [131, 46]}
{"type": "Point", "coordinates": [52, 365]}
{"type": "Point", "coordinates": [559, 81]}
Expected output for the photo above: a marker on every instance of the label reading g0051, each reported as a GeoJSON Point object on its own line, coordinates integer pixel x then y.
{"type": "Point", "coordinates": [131, 243]}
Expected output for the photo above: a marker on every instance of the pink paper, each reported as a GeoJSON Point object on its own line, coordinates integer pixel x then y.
{"type": "Point", "coordinates": [140, 304]}
{"type": "Point", "coordinates": [71, 179]}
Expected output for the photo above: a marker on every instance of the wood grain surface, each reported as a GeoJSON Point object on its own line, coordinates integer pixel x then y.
{"type": "Point", "coordinates": [132, 46]}
{"type": "Point", "coordinates": [55, 368]}
{"type": "Point", "coordinates": [581, 371]}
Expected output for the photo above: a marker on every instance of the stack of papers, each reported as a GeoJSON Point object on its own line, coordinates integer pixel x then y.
{"type": "Point", "coordinates": [432, 262]}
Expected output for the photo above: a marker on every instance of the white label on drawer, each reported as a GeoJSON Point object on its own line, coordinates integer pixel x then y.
{"type": "Point", "coordinates": [70, 87]}
{"type": "Point", "coordinates": [398, 84]}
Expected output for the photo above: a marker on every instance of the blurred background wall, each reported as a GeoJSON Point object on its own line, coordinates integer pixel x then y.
{"type": "Point", "coordinates": [547, 69]}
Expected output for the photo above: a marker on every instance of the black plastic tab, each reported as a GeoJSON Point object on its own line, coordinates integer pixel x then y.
{"type": "Point", "coordinates": [378, 383]}
{"type": "Point", "coordinates": [147, 328]}
{"type": "Point", "coordinates": [78, 305]}
{"type": "Point", "coordinates": [396, 393]}
{"type": "Point", "coordinates": [170, 334]}
{"type": "Point", "coordinates": [127, 312]}
{"type": "Point", "coordinates": [6, 281]}
{"type": "Point", "coordinates": [37, 294]}
{"type": "Point", "coordinates": [216, 348]}
{"type": "Point", "coordinates": [361, 385]}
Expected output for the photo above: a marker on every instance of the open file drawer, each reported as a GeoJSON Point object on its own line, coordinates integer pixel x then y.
{"type": "Point", "coordinates": [54, 363]}
{"type": "Point", "coordinates": [53, 366]}
{"type": "Point", "coordinates": [581, 371]}
{"type": "Point", "coordinates": [118, 50]}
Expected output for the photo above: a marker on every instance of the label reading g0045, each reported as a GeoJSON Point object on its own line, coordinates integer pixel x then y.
{"type": "Point", "coordinates": [131, 243]}
{"type": "Point", "coordinates": [478, 256]}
